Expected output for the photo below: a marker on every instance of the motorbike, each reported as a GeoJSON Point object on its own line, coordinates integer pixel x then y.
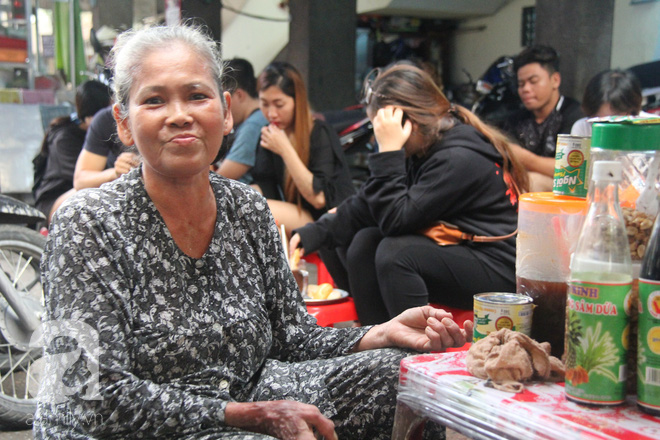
{"type": "Point", "coordinates": [498, 96]}
{"type": "Point", "coordinates": [356, 136]}
{"type": "Point", "coordinates": [21, 308]}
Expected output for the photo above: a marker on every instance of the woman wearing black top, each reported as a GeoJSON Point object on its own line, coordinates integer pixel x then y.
{"type": "Point", "coordinates": [437, 162]}
{"type": "Point", "coordinates": [300, 168]}
{"type": "Point", "coordinates": [62, 144]}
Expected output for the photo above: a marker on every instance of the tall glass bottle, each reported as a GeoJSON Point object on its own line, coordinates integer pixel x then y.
{"type": "Point", "coordinates": [600, 282]}
{"type": "Point", "coordinates": [648, 344]}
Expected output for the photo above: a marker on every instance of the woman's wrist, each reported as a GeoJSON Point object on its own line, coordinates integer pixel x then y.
{"type": "Point", "coordinates": [239, 414]}
{"type": "Point", "coordinates": [376, 337]}
{"type": "Point", "coordinates": [288, 152]}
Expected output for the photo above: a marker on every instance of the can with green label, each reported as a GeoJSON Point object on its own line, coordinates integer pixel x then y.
{"type": "Point", "coordinates": [571, 166]}
{"type": "Point", "coordinates": [597, 338]}
{"type": "Point", "coordinates": [497, 310]}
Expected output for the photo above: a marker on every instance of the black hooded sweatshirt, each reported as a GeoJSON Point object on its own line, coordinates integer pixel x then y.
{"type": "Point", "coordinates": [459, 180]}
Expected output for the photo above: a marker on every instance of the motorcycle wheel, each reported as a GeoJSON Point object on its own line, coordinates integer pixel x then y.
{"type": "Point", "coordinates": [20, 256]}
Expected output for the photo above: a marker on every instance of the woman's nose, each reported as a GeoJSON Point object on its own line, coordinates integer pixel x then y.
{"type": "Point", "coordinates": [270, 115]}
{"type": "Point", "coordinates": [179, 114]}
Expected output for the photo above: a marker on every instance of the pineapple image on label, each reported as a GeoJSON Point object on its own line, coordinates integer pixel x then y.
{"type": "Point", "coordinates": [597, 325]}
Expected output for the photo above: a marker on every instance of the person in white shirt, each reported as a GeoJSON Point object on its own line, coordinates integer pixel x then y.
{"type": "Point", "coordinates": [609, 93]}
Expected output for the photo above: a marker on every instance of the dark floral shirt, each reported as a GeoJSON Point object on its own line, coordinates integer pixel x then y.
{"type": "Point", "coordinates": [178, 337]}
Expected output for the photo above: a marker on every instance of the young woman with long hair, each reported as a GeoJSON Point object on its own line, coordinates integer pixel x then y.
{"type": "Point", "coordinates": [437, 162]}
{"type": "Point", "coordinates": [300, 168]}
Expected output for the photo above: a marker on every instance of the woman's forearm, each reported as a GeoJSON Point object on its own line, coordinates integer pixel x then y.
{"type": "Point", "coordinates": [303, 179]}
{"type": "Point", "coordinates": [533, 162]}
{"type": "Point", "coordinates": [93, 179]}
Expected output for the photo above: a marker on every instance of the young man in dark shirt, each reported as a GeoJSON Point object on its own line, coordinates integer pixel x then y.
{"type": "Point", "coordinates": [547, 112]}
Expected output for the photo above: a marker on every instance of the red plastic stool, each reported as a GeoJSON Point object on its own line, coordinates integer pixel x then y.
{"type": "Point", "coordinates": [322, 274]}
{"type": "Point", "coordinates": [460, 315]}
{"type": "Point", "coordinates": [327, 315]}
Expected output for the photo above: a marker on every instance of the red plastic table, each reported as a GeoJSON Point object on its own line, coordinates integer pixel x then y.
{"type": "Point", "coordinates": [437, 387]}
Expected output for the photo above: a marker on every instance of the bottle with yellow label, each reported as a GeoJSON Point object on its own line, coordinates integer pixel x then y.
{"type": "Point", "coordinates": [648, 344]}
{"type": "Point", "coordinates": [599, 292]}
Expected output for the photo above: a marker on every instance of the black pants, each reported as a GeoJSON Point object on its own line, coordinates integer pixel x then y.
{"type": "Point", "coordinates": [387, 275]}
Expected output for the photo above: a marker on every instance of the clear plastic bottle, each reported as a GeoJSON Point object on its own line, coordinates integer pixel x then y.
{"type": "Point", "coordinates": [648, 354]}
{"type": "Point", "coordinates": [599, 288]}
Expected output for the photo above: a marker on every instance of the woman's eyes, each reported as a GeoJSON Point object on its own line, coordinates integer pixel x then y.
{"type": "Point", "coordinates": [153, 100]}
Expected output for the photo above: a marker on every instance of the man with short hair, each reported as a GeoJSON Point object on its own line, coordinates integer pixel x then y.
{"type": "Point", "coordinates": [248, 120]}
{"type": "Point", "coordinates": [547, 112]}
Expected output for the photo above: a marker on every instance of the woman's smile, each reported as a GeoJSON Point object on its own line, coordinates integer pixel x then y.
{"type": "Point", "coordinates": [184, 139]}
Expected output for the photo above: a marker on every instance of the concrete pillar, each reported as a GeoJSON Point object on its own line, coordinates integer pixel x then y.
{"type": "Point", "coordinates": [322, 47]}
{"type": "Point", "coordinates": [143, 9]}
{"type": "Point", "coordinates": [116, 14]}
{"type": "Point", "coordinates": [581, 31]}
{"type": "Point", "coordinates": [207, 13]}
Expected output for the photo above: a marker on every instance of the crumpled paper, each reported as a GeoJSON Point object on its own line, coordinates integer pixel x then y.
{"type": "Point", "coordinates": [508, 358]}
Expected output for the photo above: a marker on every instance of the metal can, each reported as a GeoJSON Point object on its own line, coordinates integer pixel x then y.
{"type": "Point", "coordinates": [571, 166]}
{"type": "Point", "coordinates": [496, 310]}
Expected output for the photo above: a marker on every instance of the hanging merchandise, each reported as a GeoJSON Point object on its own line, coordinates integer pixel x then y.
{"type": "Point", "coordinates": [69, 49]}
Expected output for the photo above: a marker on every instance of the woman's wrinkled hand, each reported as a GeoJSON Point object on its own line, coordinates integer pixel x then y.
{"type": "Point", "coordinates": [428, 329]}
{"type": "Point", "coordinates": [274, 139]}
{"type": "Point", "coordinates": [283, 419]}
{"type": "Point", "coordinates": [391, 133]}
{"type": "Point", "coordinates": [125, 162]}
{"type": "Point", "coordinates": [421, 328]}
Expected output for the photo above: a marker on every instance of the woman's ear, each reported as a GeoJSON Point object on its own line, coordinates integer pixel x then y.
{"type": "Point", "coordinates": [229, 119]}
{"type": "Point", "coordinates": [123, 127]}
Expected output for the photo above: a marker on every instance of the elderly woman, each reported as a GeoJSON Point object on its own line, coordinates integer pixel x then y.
{"type": "Point", "coordinates": [178, 276]}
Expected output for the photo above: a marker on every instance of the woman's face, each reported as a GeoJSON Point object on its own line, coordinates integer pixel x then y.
{"type": "Point", "coordinates": [175, 114]}
{"type": "Point", "coordinates": [278, 107]}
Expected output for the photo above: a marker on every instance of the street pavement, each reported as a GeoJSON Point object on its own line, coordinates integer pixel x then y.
{"type": "Point", "coordinates": [17, 435]}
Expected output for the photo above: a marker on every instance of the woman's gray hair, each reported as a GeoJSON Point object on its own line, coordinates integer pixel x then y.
{"type": "Point", "coordinates": [132, 47]}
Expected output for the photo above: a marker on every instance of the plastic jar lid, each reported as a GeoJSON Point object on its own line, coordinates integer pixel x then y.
{"type": "Point", "coordinates": [632, 135]}
{"type": "Point", "coordinates": [548, 203]}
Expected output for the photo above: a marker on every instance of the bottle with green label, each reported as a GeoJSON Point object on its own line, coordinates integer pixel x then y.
{"type": "Point", "coordinates": [599, 292]}
{"type": "Point", "coordinates": [648, 335]}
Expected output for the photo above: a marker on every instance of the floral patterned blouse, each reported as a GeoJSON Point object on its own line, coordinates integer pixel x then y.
{"type": "Point", "coordinates": [178, 337]}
